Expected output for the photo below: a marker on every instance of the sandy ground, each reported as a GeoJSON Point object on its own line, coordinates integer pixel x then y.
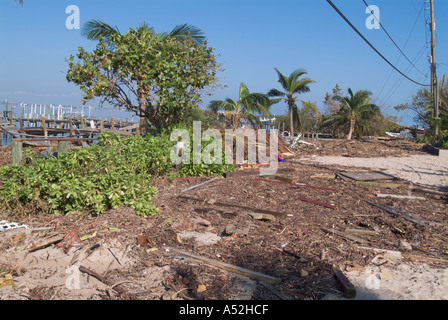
{"type": "Point", "coordinates": [45, 274]}
{"type": "Point", "coordinates": [425, 170]}
{"type": "Point", "coordinates": [396, 280]}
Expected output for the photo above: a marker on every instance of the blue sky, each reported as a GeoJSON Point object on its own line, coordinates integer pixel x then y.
{"type": "Point", "coordinates": [251, 37]}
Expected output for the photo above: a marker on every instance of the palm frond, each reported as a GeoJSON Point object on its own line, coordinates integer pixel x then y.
{"type": "Point", "coordinates": [310, 107]}
{"type": "Point", "coordinates": [185, 31]}
{"type": "Point", "coordinates": [20, 2]}
{"type": "Point", "coordinates": [96, 29]}
{"type": "Point", "coordinates": [276, 93]}
{"type": "Point", "coordinates": [282, 79]}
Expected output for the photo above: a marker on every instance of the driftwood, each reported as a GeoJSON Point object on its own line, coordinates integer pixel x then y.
{"type": "Point", "coordinates": [108, 283]}
{"type": "Point", "coordinates": [405, 215]}
{"type": "Point", "coordinates": [347, 287]}
{"type": "Point", "coordinates": [228, 267]}
{"type": "Point", "coordinates": [224, 204]}
{"type": "Point", "coordinates": [47, 242]}
{"type": "Point", "coordinates": [344, 235]}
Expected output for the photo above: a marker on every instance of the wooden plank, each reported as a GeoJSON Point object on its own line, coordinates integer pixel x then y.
{"type": "Point", "coordinates": [405, 215]}
{"type": "Point", "coordinates": [345, 236]}
{"type": "Point", "coordinates": [399, 196]}
{"type": "Point", "coordinates": [379, 184]}
{"type": "Point", "coordinates": [70, 123]}
{"type": "Point", "coordinates": [224, 204]}
{"type": "Point", "coordinates": [347, 287]}
{"type": "Point", "coordinates": [44, 127]}
{"type": "Point", "coordinates": [361, 231]}
{"type": "Point", "coordinates": [46, 242]}
{"type": "Point", "coordinates": [54, 139]}
{"type": "Point", "coordinates": [229, 267]}
{"type": "Point", "coordinates": [367, 176]}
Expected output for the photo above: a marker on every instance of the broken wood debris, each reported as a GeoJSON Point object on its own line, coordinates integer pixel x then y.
{"type": "Point", "coordinates": [347, 287]}
{"type": "Point", "coordinates": [344, 235]}
{"type": "Point", "coordinates": [399, 196]}
{"type": "Point", "coordinates": [252, 172]}
{"type": "Point", "coordinates": [108, 283]}
{"type": "Point", "coordinates": [331, 206]}
{"type": "Point", "coordinates": [361, 231]}
{"type": "Point", "coordinates": [366, 176]}
{"type": "Point", "coordinates": [297, 185]}
{"type": "Point", "coordinates": [198, 185]}
{"type": "Point", "coordinates": [224, 204]}
{"type": "Point", "coordinates": [47, 242]}
{"type": "Point", "coordinates": [405, 215]}
{"type": "Point", "coordinates": [228, 267]}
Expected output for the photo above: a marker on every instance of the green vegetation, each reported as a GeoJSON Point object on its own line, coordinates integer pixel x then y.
{"type": "Point", "coordinates": [116, 172]}
{"type": "Point", "coordinates": [247, 107]}
{"type": "Point", "coordinates": [157, 77]}
{"type": "Point", "coordinates": [354, 112]}
{"type": "Point", "coordinates": [291, 85]}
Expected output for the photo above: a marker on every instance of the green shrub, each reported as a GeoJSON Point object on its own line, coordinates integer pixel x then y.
{"type": "Point", "coordinates": [116, 172]}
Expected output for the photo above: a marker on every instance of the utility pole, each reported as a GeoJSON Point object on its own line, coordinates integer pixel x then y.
{"type": "Point", "coordinates": [434, 79]}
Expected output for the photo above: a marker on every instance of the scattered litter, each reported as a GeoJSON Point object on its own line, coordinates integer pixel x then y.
{"type": "Point", "coordinates": [5, 225]}
{"type": "Point", "coordinates": [366, 176]}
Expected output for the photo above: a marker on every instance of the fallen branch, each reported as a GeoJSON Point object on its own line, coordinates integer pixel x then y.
{"type": "Point", "coordinates": [345, 236]}
{"type": "Point", "coordinates": [224, 204]}
{"type": "Point", "coordinates": [331, 206]}
{"type": "Point", "coordinates": [296, 186]}
{"type": "Point", "coordinates": [229, 267]}
{"type": "Point", "coordinates": [405, 215]}
{"type": "Point", "coordinates": [198, 185]}
{"type": "Point", "coordinates": [108, 283]}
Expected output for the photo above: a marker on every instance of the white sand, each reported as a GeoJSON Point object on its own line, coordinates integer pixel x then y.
{"type": "Point", "coordinates": [425, 170]}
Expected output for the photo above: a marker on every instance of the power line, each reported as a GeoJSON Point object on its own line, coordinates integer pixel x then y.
{"type": "Point", "coordinates": [384, 58]}
{"type": "Point", "coordinates": [387, 33]}
{"type": "Point", "coordinates": [405, 45]}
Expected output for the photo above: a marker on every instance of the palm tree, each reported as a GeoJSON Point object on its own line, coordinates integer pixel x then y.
{"type": "Point", "coordinates": [95, 29]}
{"type": "Point", "coordinates": [308, 111]}
{"type": "Point", "coordinates": [19, 2]}
{"type": "Point", "coordinates": [246, 107]}
{"type": "Point", "coordinates": [291, 85]}
{"type": "Point", "coordinates": [355, 107]}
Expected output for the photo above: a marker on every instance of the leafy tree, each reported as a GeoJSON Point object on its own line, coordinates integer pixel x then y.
{"type": "Point", "coordinates": [97, 29]}
{"type": "Point", "coordinates": [247, 107]}
{"type": "Point", "coordinates": [423, 108]}
{"type": "Point", "coordinates": [355, 109]}
{"type": "Point", "coordinates": [291, 85]}
{"type": "Point", "coordinates": [159, 78]}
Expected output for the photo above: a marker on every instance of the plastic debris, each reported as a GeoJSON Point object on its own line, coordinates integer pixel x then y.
{"type": "Point", "coordinates": [5, 225]}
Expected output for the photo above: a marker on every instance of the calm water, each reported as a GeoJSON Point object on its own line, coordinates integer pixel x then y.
{"type": "Point", "coordinates": [104, 114]}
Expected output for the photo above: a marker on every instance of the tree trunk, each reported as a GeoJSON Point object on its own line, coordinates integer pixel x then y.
{"type": "Point", "coordinates": [142, 127]}
{"type": "Point", "coordinates": [291, 121]}
{"type": "Point", "coordinates": [352, 128]}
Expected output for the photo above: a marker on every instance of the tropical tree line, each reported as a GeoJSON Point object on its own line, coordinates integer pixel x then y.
{"type": "Point", "coordinates": [162, 75]}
